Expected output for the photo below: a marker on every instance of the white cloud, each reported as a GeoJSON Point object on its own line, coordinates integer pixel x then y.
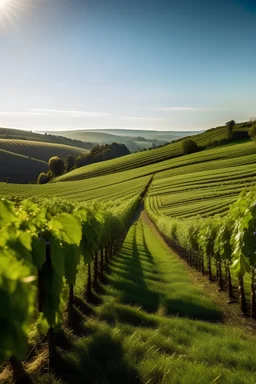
{"type": "Point", "coordinates": [143, 118]}
{"type": "Point", "coordinates": [73, 113]}
{"type": "Point", "coordinates": [177, 109]}
{"type": "Point", "coordinates": [56, 112]}
{"type": "Point", "coordinates": [25, 114]}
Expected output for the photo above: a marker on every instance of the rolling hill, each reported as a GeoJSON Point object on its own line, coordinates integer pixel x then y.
{"type": "Point", "coordinates": [39, 150]}
{"type": "Point", "coordinates": [20, 169]}
{"type": "Point", "coordinates": [19, 134]}
{"type": "Point", "coordinates": [135, 140]}
{"type": "Point", "coordinates": [170, 151]}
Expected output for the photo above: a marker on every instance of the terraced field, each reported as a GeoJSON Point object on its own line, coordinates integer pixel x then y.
{"type": "Point", "coordinates": [39, 150]}
{"type": "Point", "coordinates": [205, 192]}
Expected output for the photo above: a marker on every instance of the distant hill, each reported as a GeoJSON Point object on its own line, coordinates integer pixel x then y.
{"type": "Point", "coordinates": [39, 150]}
{"type": "Point", "coordinates": [11, 133]}
{"type": "Point", "coordinates": [20, 169]}
{"type": "Point", "coordinates": [135, 140]}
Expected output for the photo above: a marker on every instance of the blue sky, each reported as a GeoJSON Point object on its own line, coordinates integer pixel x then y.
{"type": "Point", "coordinates": [145, 64]}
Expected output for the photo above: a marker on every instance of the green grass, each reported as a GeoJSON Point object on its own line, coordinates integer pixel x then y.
{"type": "Point", "coordinates": [39, 150]}
{"type": "Point", "coordinates": [152, 324]}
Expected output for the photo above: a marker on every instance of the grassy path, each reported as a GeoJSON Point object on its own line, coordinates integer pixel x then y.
{"type": "Point", "coordinates": [153, 325]}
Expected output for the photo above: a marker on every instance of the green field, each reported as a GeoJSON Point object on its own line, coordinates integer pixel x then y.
{"type": "Point", "coordinates": [143, 159]}
{"type": "Point", "coordinates": [208, 181]}
{"type": "Point", "coordinates": [39, 150]}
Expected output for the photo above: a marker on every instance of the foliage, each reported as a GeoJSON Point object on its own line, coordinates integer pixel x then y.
{"type": "Point", "coordinates": [43, 178]}
{"type": "Point", "coordinates": [230, 125]}
{"type": "Point", "coordinates": [188, 146]}
{"type": "Point", "coordinates": [101, 153]}
{"type": "Point", "coordinates": [252, 132]}
{"type": "Point", "coordinates": [56, 165]}
{"type": "Point", "coordinates": [40, 247]}
{"type": "Point", "coordinates": [70, 163]}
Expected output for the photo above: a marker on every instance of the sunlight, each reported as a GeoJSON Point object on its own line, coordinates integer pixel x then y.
{"type": "Point", "coordinates": [4, 4]}
{"type": "Point", "coordinates": [9, 10]}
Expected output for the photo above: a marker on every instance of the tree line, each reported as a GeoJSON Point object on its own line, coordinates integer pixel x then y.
{"type": "Point", "coordinates": [58, 166]}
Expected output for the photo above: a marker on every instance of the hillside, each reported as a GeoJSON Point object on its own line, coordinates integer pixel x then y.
{"type": "Point", "coordinates": [18, 168]}
{"type": "Point", "coordinates": [233, 165]}
{"type": "Point", "coordinates": [39, 150]}
{"type": "Point", "coordinates": [137, 160]}
{"type": "Point", "coordinates": [19, 134]}
{"type": "Point", "coordinates": [133, 139]}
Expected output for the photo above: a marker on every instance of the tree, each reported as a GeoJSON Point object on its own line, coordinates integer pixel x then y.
{"type": "Point", "coordinates": [252, 132]}
{"type": "Point", "coordinates": [43, 178]}
{"type": "Point", "coordinates": [56, 165]}
{"type": "Point", "coordinates": [188, 146]}
{"type": "Point", "coordinates": [70, 162]}
{"type": "Point", "coordinates": [230, 125]}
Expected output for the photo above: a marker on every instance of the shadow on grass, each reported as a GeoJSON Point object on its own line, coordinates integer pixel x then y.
{"type": "Point", "coordinates": [100, 359]}
{"type": "Point", "coordinates": [182, 308]}
{"type": "Point", "coordinates": [131, 282]}
{"type": "Point", "coordinates": [83, 306]}
{"type": "Point", "coordinates": [127, 314]}
{"type": "Point", "coordinates": [127, 277]}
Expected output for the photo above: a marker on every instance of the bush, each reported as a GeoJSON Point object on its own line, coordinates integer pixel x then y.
{"type": "Point", "coordinates": [56, 165]}
{"type": "Point", "coordinates": [43, 178]}
{"type": "Point", "coordinates": [188, 146]}
{"type": "Point", "coordinates": [230, 125]}
{"type": "Point", "coordinates": [252, 132]}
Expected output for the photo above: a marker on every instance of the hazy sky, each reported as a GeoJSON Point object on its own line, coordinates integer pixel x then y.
{"type": "Point", "coordinates": [146, 64]}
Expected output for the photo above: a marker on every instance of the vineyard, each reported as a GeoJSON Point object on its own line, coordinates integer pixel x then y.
{"type": "Point", "coordinates": [98, 289]}
{"type": "Point", "coordinates": [41, 246]}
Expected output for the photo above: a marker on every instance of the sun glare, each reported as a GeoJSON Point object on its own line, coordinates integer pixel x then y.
{"type": "Point", "coordinates": [9, 10]}
{"type": "Point", "coordinates": [4, 4]}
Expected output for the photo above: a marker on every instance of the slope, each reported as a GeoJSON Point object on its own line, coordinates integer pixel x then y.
{"type": "Point", "coordinates": [18, 168]}
{"type": "Point", "coordinates": [233, 163]}
{"type": "Point", "coordinates": [19, 134]}
{"type": "Point", "coordinates": [39, 150]}
{"type": "Point", "coordinates": [137, 160]}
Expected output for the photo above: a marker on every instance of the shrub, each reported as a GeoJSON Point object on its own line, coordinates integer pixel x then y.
{"type": "Point", "coordinates": [188, 146]}
{"type": "Point", "coordinates": [252, 132]}
{"type": "Point", "coordinates": [43, 178]}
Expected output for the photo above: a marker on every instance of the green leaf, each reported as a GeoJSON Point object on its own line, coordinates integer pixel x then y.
{"type": "Point", "coordinates": [38, 252]}
{"type": "Point", "coordinates": [69, 227]}
{"type": "Point", "coordinates": [241, 266]}
{"type": "Point", "coordinates": [72, 259]}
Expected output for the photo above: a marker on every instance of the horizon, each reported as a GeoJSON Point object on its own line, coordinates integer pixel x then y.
{"type": "Point", "coordinates": [143, 65]}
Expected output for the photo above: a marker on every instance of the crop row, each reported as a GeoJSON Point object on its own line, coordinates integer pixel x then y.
{"type": "Point", "coordinates": [218, 243]}
{"type": "Point", "coordinates": [41, 247]}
